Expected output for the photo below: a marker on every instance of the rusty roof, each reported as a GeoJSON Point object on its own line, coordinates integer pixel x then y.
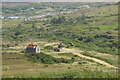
{"type": "Point", "coordinates": [32, 46]}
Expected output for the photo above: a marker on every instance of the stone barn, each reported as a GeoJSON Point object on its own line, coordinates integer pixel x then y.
{"type": "Point", "coordinates": [33, 49]}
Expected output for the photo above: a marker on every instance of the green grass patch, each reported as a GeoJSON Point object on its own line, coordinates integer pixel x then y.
{"type": "Point", "coordinates": [71, 74]}
{"type": "Point", "coordinates": [48, 48]}
{"type": "Point", "coordinates": [67, 54]}
{"type": "Point", "coordinates": [104, 59]}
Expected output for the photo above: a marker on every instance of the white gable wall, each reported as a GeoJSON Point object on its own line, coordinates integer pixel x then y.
{"type": "Point", "coordinates": [37, 49]}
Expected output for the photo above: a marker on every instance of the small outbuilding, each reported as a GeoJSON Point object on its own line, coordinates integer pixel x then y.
{"type": "Point", "coordinates": [57, 49]}
{"type": "Point", "coordinates": [33, 48]}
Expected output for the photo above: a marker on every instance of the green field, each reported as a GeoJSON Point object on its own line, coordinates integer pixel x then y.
{"type": "Point", "coordinates": [89, 36]}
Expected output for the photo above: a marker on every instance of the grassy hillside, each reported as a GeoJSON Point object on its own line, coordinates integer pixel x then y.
{"type": "Point", "coordinates": [17, 65]}
{"type": "Point", "coordinates": [90, 29]}
{"type": "Point", "coordinates": [90, 32]}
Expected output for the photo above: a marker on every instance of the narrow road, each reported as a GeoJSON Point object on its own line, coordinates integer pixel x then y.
{"type": "Point", "coordinates": [52, 43]}
{"type": "Point", "coordinates": [96, 60]}
{"type": "Point", "coordinates": [77, 52]}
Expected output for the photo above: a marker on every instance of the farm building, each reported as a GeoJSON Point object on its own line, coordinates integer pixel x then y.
{"type": "Point", "coordinates": [33, 49]}
{"type": "Point", "coordinates": [57, 49]}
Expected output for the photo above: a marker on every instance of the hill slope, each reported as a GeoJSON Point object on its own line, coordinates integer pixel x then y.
{"type": "Point", "coordinates": [90, 29]}
{"type": "Point", "coordinates": [90, 37]}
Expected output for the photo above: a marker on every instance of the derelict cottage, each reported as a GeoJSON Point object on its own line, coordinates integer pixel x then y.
{"type": "Point", "coordinates": [33, 49]}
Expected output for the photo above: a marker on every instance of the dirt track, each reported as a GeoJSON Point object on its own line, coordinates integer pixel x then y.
{"type": "Point", "coordinates": [77, 52]}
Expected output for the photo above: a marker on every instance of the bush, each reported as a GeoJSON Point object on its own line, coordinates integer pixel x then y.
{"type": "Point", "coordinates": [58, 20]}
{"type": "Point", "coordinates": [75, 55]}
{"type": "Point", "coordinates": [47, 59]}
{"type": "Point", "coordinates": [45, 65]}
{"type": "Point", "coordinates": [69, 67]}
{"type": "Point", "coordinates": [84, 62]}
{"type": "Point", "coordinates": [89, 39]}
{"type": "Point", "coordinates": [23, 51]}
{"type": "Point", "coordinates": [79, 62]}
{"type": "Point", "coordinates": [73, 58]}
{"type": "Point", "coordinates": [16, 44]}
{"type": "Point", "coordinates": [69, 75]}
{"type": "Point", "coordinates": [48, 48]}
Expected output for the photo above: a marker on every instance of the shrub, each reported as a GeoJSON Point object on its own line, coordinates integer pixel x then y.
{"type": "Point", "coordinates": [47, 59]}
{"type": "Point", "coordinates": [48, 48]}
{"type": "Point", "coordinates": [89, 39]}
{"type": "Point", "coordinates": [58, 20]}
{"type": "Point", "coordinates": [6, 69]}
{"type": "Point", "coordinates": [69, 67]}
{"type": "Point", "coordinates": [75, 55]}
{"type": "Point", "coordinates": [16, 44]}
{"type": "Point", "coordinates": [79, 62]}
{"type": "Point", "coordinates": [69, 75]}
{"type": "Point", "coordinates": [84, 62]}
{"type": "Point", "coordinates": [73, 58]}
{"type": "Point", "coordinates": [45, 65]}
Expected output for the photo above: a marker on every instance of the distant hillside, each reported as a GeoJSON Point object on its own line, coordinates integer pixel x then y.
{"type": "Point", "coordinates": [77, 40]}
{"type": "Point", "coordinates": [25, 9]}
{"type": "Point", "coordinates": [13, 4]}
{"type": "Point", "coordinates": [90, 29]}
